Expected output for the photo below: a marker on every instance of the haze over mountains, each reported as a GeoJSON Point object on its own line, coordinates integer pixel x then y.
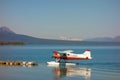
{"type": "Point", "coordinates": [7, 35]}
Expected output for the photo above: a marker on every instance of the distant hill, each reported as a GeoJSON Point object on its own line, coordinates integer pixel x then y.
{"type": "Point", "coordinates": [107, 39]}
{"type": "Point", "coordinates": [5, 30]}
{"type": "Point", "coordinates": [104, 39]}
{"type": "Point", "coordinates": [117, 39]}
{"type": "Point", "coordinates": [7, 35]}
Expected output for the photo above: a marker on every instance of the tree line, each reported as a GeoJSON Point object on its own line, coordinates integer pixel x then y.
{"type": "Point", "coordinates": [12, 43]}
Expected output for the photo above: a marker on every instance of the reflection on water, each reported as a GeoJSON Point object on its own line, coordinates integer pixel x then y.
{"type": "Point", "coordinates": [62, 71]}
{"type": "Point", "coordinates": [25, 66]}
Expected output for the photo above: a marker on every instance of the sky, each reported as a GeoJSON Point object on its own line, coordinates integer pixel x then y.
{"type": "Point", "coordinates": [55, 19]}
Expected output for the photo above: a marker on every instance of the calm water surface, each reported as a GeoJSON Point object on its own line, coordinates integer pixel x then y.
{"type": "Point", "coordinates": [105, 64]}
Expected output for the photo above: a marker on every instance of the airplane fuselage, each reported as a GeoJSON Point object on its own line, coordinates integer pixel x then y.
{"type": "Point", "coordinates": [71, 56]}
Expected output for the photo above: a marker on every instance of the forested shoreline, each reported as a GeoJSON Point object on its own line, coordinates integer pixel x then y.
{"type": "Point", "coordinates": [12, 43]}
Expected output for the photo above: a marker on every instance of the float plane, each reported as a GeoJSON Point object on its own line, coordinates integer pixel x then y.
{"type": "Point", "coordinates": [69, 55]}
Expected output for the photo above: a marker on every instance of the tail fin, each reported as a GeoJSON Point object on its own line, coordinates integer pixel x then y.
{"type": "Point", "coordinates": [88, 54]}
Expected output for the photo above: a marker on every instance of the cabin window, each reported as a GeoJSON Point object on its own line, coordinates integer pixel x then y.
{"type": "Point", "coordinates": [68, 54]}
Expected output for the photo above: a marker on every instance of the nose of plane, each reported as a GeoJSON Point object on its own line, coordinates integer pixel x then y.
{"type": "Point", "coordinates": [55, 52]}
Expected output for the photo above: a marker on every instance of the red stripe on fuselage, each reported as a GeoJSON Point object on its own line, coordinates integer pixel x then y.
{"type": "Point", "coordinates": [70, 58]}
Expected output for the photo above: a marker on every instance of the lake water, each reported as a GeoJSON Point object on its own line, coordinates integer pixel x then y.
{"type": "Point", "coordinates": [105, 64]}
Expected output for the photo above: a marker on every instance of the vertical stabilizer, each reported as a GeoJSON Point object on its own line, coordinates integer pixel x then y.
{"type": "Point", "coordinates": [88, 54]}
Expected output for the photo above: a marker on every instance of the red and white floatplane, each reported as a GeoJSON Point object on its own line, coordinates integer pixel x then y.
{"type": "Point", "coordinates": [62, 56]}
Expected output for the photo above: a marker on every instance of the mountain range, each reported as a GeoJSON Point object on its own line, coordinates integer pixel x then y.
{"type": "Point", "coordinates": [104, 39]}
{"type": "Point", "coordinates": [7, 35]}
